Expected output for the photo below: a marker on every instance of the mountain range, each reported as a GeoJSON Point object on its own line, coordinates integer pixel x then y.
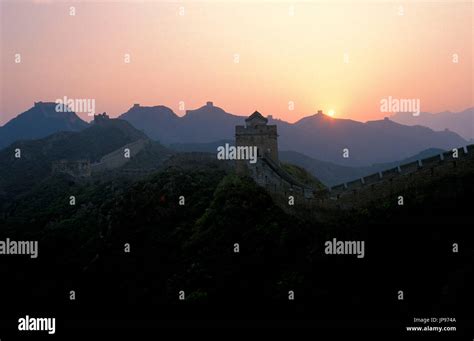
{"type": "Point", "coordinates": [317, 136]}
{"type": "Point", "coordinates": [328, 173]}
{"type": "Point", "coordinates": [39, 121]}
{"type": "Point", "coordinates": [191, 244]}
{"type": "Point", "coordinates": [206, 124]}
{"type": "Point", "coordinates": [34, 164]}
{"type": "Point", "coordinates": [459, 122]}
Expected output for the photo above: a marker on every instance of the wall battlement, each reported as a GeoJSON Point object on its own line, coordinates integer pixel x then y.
{"type": "Point", "coordinates": [376, 185]}
{"type": "Point", "coordinates": [99, 118]}
{"type": "Point", "coordinates": [257, 133]}
{"type": "Point", "coordinates": [268, 173]}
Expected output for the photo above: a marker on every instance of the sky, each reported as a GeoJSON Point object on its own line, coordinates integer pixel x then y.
{"type": "Point", "coordinates": [286, 59]}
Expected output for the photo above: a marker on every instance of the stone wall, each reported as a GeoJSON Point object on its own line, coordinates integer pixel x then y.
{"type": "Point", "coordinates": [268, 174]}
{"type": "Point", "coordinates": [263, 136]}
{"type": "Point", "coordinates": [361, 192]}
{"type": "Point", "coordinates": [117, 158]}
{"type": "Point", "coordinates": [393, 182]}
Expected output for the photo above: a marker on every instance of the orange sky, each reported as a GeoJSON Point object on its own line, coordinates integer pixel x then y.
{"type": "Point", "coordinates": [283, 58]}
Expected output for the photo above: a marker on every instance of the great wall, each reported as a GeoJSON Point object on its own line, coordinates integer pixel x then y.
{"type": "Point", "coordinates": [393, 182]}
{"type": "Point", "coordinates": [113, 160]}
{"type": "Point", "coordinates": [119, 157]}
{"type": "Point", "coordinates": [269, 173]}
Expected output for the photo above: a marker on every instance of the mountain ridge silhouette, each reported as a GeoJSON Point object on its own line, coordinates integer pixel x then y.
{"type": "Point", "coordinates": [317, 136]}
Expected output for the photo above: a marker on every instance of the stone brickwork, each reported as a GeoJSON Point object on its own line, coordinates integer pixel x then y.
{"type": "Point", "coordinates": [393, 182]}
{"type": "Point", "coordinates": [256, 132]}
{"type": "Point", "coordinates": [113, 160]}
{"type": "Point", "coordinates": [268, 173]}
{"type": "Point", "coordinates": [117, 158]}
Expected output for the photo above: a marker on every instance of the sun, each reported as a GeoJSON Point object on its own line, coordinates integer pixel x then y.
{"type": "Point", "coordinates": [331, 113]}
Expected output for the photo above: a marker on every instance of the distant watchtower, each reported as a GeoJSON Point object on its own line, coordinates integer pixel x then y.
{"type": "Point", "coordinates": [257, 133]}
{"type": "Point", "coordinates": [101, 118]}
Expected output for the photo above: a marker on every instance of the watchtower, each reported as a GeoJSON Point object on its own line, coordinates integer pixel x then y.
{"type": "Point", "coordinates": [257, 133]}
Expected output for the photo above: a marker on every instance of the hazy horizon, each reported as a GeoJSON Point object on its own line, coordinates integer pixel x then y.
{"type": "Point", "coordinates": [341, 57]}
{"type": "Point", "coordinates": [181, 114]}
